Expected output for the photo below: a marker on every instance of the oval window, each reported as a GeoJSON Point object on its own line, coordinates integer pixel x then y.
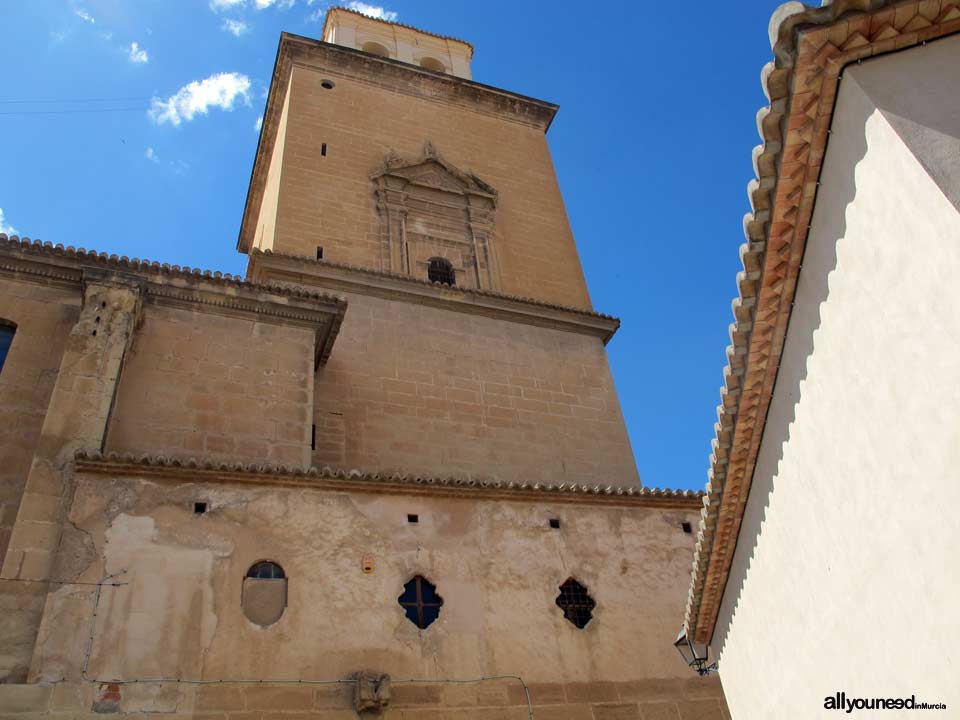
{"type": "Point", "coordinates": [264, 596]}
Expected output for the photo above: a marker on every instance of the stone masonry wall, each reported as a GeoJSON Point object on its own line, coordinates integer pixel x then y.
{"type": "Point", "coordinates": [418, 389]}
{"type": "Point", "coordinates": [690, 699]}
{"type": "Point", "coordinates": [496, 562]}
{"type": "Point", "coordinates": [44, 316]}
{"type": "Point", "coordinates": [206, 385]}
{"type": "Point", "coordinates": [330, 201]}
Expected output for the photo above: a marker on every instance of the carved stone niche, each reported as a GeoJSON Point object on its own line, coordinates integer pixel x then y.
{"type": "Point", "coordinates": [429, 208]}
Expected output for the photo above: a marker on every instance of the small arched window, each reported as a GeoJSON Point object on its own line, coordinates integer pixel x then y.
{"type": "Point", "coordinates": [7, 331]}
{"type": "Point", "coordinates": [375, 48]}
{"type": "Point", "coordinates": [266, 571]}
{"type": "Point", "coordinates": [430, 63]}
{"type": "Point", "coordinates": [441, 271]}
{"type": "Point", "coordinates": [264, 596]}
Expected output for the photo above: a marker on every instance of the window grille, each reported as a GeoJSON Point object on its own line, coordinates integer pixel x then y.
{"type": "Point", "coordinates": [420, 602]}
{"type": "Point", "coordinates": [576, 603]}
{"type": "Point", "coordinates": [266, 571]}
{"type": "Point", "coordinates": [441, 271]}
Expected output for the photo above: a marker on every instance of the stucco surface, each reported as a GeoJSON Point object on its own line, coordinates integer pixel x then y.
{"type": "Point", "coordinates": [844, 578]}
{"type": "Point", "coordinates": [419, 389]}
{"type": "Point", "coordinates": [497, 565]}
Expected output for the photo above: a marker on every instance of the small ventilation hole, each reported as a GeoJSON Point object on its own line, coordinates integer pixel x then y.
{"type": "Point", "coordinates": [687, 528]}
{"type": "Point", "coordinates": [199, 508]}
{"type": "Point", "coordinates": [412, 518]}
{"type": "Point", "coordinates": [327, 84]}
{"type": "Point", "coordinates": [313, 437]}
{"type": "Point", "coordinates": [555, 523]}
{"type": "Point", "coordinates": [323, 149]}
{"type": "Point", "coordinates": [319, 252]}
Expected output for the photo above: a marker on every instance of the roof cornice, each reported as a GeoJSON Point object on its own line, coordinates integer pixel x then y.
{"type": "Point", "coordinates": [339, 61]}
{"type": "Point", "coordinates": [172, 285]}
{"type": "Point", "coordinates": [307, 271]}
{"type": "Point", "coordinates": [338, 9]}
{"type": "Point", "coordinates": [187, 469]}
{"type": "Point", "coordinates": [811, 46]}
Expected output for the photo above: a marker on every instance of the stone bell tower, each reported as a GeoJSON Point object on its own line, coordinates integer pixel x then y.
{"type": "Point", "coordinates": [470, 347]}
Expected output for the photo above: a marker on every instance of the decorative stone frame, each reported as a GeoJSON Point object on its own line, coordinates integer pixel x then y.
{"type": "Point", "coordinates": [428, 195]}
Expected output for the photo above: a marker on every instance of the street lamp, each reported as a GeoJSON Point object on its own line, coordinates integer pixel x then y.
{"type": "Point", "coordinates": [694, 654]}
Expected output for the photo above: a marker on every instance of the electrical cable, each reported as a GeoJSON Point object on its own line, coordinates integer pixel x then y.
{"type": "Point", "coordinates": [76, 100]}
{"type": "Point", "coordinates": [72, 112]}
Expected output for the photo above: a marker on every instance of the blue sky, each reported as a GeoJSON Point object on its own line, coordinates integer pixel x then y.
{"type": "Point", "coordinates": [142, 126]}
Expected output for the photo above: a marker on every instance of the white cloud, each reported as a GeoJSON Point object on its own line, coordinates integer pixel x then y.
{"type": "Point", "coordinates": [4, 228]}
{"type": "Point", "coordinates": [218, 5]}
{"type": "Point", "coordinates": [259, 124]}
{"type": "Point", "coordinates": [220, 90]}
{"type": "Point", "coordinates": [374, 11]}
{"type": "Point", "coordinates": [137, 54]}
{"type": "Point", "coordinates": [235, 27]}
{"type": "Point", "coordinates": [85, 16]}
{"type": "Point", "coordinates": [151, 155]}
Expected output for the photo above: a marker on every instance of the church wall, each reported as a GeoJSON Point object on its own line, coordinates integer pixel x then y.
{"type": "Point", "coordinates": [420, 389]}
{"type": "Point", "coordinates": [848, 536]}
{"type": "Point", "coordinates": [267, 217]}
{"type": "Point", "coordinates": [330, 201]}
{"type": "Point", "coordinates": [495, 562]}
{"type": "Point", "coordinates": [44, 316]}
{"type": "Point", "coordinates": [205, 385]}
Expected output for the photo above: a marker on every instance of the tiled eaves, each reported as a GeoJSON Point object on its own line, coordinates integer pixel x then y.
{"type": "Point", "coordinates": [173, 284]}
{"type": "Point", "coordinates": [328, 478]}
{"type": "Point", "coordinates": [606, 325]}
{"type": "Point", "coordinates": [338, 8]}
{"type": "Point", "coordinates": [811, 46]}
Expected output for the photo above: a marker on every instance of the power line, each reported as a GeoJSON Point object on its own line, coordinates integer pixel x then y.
{"type": "Point", "coordinates": [71, 112]}
{"type": "Point", "coordinates": [77, 100]}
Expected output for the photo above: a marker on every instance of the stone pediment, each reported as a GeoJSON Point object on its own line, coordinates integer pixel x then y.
{"type": "Point", "coordinates": [434, 172]}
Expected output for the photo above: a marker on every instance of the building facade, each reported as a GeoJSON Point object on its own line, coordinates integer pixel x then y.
{"type": "Point", "coordinates": [824, 577]}
{"type": "Point", "coordinates": [386, 472]}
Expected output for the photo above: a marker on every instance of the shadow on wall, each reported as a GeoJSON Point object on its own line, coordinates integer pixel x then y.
{"type": "Point", "coordinates": [812, 289]}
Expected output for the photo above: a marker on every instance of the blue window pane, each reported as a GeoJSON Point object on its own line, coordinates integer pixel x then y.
{"type": "Point", "coordinates": [6, 338]}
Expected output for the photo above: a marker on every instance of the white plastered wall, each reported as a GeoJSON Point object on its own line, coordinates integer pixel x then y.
{"type": "Point", "coordinates": [845, 576]}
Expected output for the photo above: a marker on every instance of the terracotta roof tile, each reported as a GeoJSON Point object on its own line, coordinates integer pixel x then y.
{"type": "Point", "coordinates": [810, 45]}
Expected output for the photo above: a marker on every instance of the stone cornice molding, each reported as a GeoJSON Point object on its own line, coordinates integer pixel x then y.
{"type": "Point", "coordinates": [339, 9]}
{"type": "Point", "coordinates": [304, 270]}
{"type": "Point", "coordinates": [179, 469]}
{"type": "Point", "coordinates": [811, 46]}
{"type": "Point", "coordinates": [338, 61]}
{"type": "Point", "coordinates": [193, 289]}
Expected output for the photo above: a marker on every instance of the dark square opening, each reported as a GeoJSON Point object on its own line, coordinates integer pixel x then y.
{"type": "Point", "coordinates": [413, 518]}
{"type": "Point", "coordinates": [199, 508]}
{"type": "Point", "coordinates": [555, 523]}
{"type": "Point", "coordinates": [687, 528]}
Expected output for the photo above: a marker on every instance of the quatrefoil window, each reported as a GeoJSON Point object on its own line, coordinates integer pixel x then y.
{"type": "Point", "coordinates": [420, 602]}
{"type": "Point", "coordinates": [576, 603]}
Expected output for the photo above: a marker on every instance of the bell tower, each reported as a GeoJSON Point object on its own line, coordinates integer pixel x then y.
{"type": "Point", "coordinates": [386, 174]}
